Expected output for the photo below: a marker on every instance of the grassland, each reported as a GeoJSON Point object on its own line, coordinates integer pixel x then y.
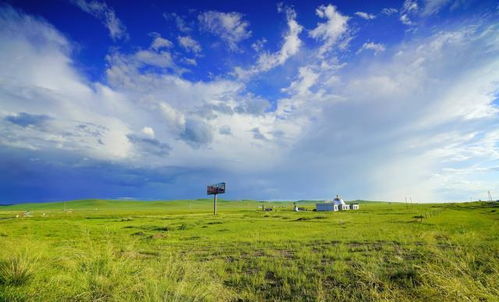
{"type": "Point", "coordinates": [100, 250]}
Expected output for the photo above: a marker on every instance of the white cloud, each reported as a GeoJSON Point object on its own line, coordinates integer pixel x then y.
{"type": "Point", "coordinates": [180, 22]}
{"type": "Point", "coordinates": [289, 48]}
{"type": "Point", "coordinates": [101, 11]}
{"type": "Point", "coordinates": [376, 47]}
{"type": "Point", "coordinates": [434, 6]}
{"type": "Point", "coordinates": [306, 79]}
{"type": "Point", "coordinates": [189, 44]}
{"type": "Point", "coordinates": [230, 27]}
{"type": "Point", "coordinates": [333, 31]}
{"type": "Point", "coordinates": [259, 44]}
{"type": "Point", "coordinates": [155, 56]}
{"type": "Point", "coordinates": [405, 19]}
{"type": "Point", "coordinates": [148, 131]}
{"type": "Point", "coordinates": [161, 59]}
{"type": "Point", "coordinates": [83, 118]}
{"type": "Point", "coordinates": [389, 11]}
{"type": "Point", "coordinates": [410, 7]}
{"type": "Point", "coordinates": [366, 16]}
{"type": "Point", "coordinates": [370, 131]}
{"type": "Point", "coordinates": [190, 61]}
{"type": "Point", "coordinates": [160, 42]}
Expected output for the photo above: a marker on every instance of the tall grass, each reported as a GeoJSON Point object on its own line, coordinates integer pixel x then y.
{"type": "Point", "coordinates": [16, 270]}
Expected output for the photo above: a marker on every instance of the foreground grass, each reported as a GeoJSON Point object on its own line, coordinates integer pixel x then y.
{"type": "Point", "coordinates": [177, 251]}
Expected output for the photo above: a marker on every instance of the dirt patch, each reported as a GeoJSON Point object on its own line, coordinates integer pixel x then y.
{"type": "Point", "coordinates": [288, 254]}
{"type": "Point", "coordinates": [157, 236]}
{"type": "Point", "coordinates": [303, 219]}
{"type": "Point", "coordinates": [356, 246]}
{"type": "Point", "coordinates": [149, 253]}
{"type": "Point", "coordinates": [161, 229]}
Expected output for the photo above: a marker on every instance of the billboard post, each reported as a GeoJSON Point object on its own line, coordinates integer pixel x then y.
{"type": "Point", "coordinates": [215, 190]}
{"type": "Point", "coordinates": [215, 204]}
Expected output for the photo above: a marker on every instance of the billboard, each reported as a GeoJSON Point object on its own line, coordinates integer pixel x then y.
{"type": "Point", "coordinates": [216, 188]}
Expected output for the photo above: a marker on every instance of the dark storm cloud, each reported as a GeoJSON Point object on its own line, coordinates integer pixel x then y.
{"type": "Point", "coordinates": [149, 145]}
{"type": "Point", "coordinates": [35, 176]}
{"type": "Point", "coordinates": [196, 133]}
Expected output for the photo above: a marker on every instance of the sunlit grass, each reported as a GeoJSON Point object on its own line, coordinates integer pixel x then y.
{"type": "Point", "coordinates": [178, 251]}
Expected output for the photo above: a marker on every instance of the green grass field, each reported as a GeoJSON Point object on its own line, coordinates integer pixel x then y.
{"type": "Point", "coordinates": [100, 250]}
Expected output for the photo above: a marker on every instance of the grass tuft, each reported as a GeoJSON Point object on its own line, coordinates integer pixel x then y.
{"type": "Point", "coordinates": [16, 270]}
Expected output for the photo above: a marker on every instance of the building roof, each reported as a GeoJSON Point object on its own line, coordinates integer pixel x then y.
{"type": "Point", "coordinates": [338, 201]}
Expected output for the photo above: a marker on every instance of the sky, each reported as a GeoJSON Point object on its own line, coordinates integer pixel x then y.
{"type": "Point", "coordinates": [377, 100]}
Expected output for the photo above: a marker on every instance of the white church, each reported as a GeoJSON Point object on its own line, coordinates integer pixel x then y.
{"type": "Point", "coordinates": [337, 204]}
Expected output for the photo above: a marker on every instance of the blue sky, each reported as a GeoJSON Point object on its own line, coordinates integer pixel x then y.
{"type": "Point", "coordinates": [377, 100]}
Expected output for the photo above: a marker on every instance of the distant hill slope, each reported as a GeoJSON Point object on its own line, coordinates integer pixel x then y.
{"type": "Point", "coordinates": [103, 204]}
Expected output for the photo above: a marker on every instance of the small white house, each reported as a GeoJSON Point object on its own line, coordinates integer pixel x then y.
{"type": "Point", "coordinates": [340, 203]}
{"type": "Point", "coordinates": [337, 204]}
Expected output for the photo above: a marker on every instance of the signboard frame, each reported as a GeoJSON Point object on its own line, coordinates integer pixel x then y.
{"type": "Point", "coordinates": [214, 190]}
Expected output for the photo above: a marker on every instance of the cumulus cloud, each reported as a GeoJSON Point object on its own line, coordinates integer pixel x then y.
{"type": "Point", "coordinates": [106, 15]}
{"type": "Point", "coordinates": [230, 27]}
{"type": "Point", "coordinates": [333, 31]}
{"type": "Point", "coordinates": [365, 16]}
{"type": "Point", "coordinates": [160, 42]}
{"type": "Point", "coordinates": [180, 22]}
{"type": "Point", "coordinates": [148, 131]}
{"type": "Point", "coordinates": [375, 47]}
{"type": "Point", "coordinates": [306, 79]}
{"type": "Point", "coordinates": [151, 57]}
{"type": "Point", "coordinates": [161, 59]}
{"type": "Point", "coordinates": [289, 48]}
{"type": "Point", "coordinates": [189, 44]}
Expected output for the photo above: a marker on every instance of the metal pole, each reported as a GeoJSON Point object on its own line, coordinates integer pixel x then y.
{"type": "Point", "coordinates": [214, 204]}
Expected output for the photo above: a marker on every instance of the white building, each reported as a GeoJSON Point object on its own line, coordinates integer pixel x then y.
{"type": "Point", "coordinates": [342, 206]}
{"type": "Point", "coordinates": [337, 204]}
{"type": "Point", "coordinates": [345, 207]}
